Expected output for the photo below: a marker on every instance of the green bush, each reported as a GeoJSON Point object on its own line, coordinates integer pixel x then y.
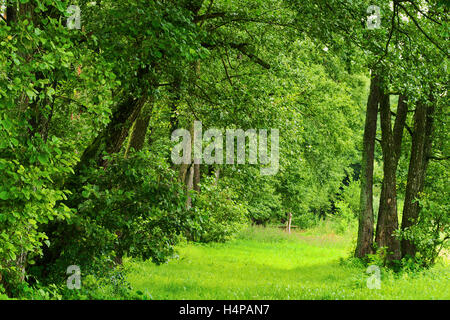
{"type": "Point", "coordinates": [135, 207]}
{"type": "Point", "coordinates": [431, 233]}
{"type": "Point", "coordinates": [215, 216]}
{"type": "Point", "coordinates": [112, 285]}
{"type": "Point", "coordinates": [30, 196]}
{"type": "Point", "coordinates": [265, 205]}
{"type": "Point", "coordinates": [305, 220]}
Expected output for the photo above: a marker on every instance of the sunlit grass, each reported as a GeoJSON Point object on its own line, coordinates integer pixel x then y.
{"type": "Point", "coordinates": [270, 264]}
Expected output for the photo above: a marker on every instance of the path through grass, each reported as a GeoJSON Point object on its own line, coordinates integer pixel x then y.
{"type": "Point", "coordinates": [269, 264]}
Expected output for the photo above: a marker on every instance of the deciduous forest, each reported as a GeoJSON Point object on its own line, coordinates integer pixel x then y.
{"type": "Point", "coordinates": [224, 149]}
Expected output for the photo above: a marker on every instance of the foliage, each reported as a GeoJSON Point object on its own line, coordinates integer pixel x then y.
{"type": "Point", "coordinates": [70, 101]}
{"type": "Point", "coordinates": [132, 208]}
{"type": "Point", "coordinates": [431, 234]}
{"type": "Point", "coordinates": [216, 215]}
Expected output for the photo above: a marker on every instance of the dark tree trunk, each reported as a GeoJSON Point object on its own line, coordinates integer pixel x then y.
{"type": "Point", "coordinates": [391, 141]}
{"type": "Point", "coordinates": [365, 230]}
{"type": "Point", "coordinates": [112, 137]}
{"type": "Point", "coordinates": [11, 13]}
{"type": "Point", "coordinates": [197, 177]}
{"type": "Point", "coordinates": [175, 91]}
{"type": "Point", "coordinates": [420, 151]}
{"type": "Point", "coordinates": [139, 130]}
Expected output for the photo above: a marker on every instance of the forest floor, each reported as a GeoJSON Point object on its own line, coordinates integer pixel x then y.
{"type": "Point", "coordinates": [265, 263]}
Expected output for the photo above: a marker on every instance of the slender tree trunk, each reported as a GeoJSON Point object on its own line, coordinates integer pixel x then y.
{"type": "Point", "coordinates": [189, 182]}
{"type": "Point", "coordinates": [197, 177]}
{"type": "Point", "coordinates": [175, 91]}
{"type": "Point", "coordinates": [196, 181]}
{"type": "Point", "coordinates": [420, 151]}
{"type": "Point", "coordinates": [216, 176]}
{"type": "Point", "coordinates": [391, 141]}
{"type": "Point", "coordinates": [365, 230]}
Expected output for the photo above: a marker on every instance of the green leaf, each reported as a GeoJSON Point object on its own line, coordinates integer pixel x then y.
{"type": "Point", "coordinates": [43, 159]}
{"type": "Point", "coordinates": [4, 195]}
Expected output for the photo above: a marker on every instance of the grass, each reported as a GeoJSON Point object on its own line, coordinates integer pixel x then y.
{"type": "Point", "coordinates": [264, 263]}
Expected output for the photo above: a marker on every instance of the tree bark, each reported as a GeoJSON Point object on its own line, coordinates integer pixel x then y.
{"type": "Point", "coordinates": [216, 176]}
{"type": "Point", "coordinates": [387, 222]}
{"type": "Point", "coordinates": [139, 130]}
{"type": "Point", "coordinates": [112, 137]}
{"type": "Point", "coordinates": [365, 229]}
{"type": "Point", "coordinates": [189, 182]}
{"type": "Point", "coordinates": [175, 92]}
{"type": "Point", "coordinates": [11, 13]}
{"type": "Point", "coordinates": [420, 151]}
{"type": "Point", "coordinates": [196, 178]}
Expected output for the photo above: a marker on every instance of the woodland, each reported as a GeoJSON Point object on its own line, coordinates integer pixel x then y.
{"type": "Point", "coordinates": [350, 95]}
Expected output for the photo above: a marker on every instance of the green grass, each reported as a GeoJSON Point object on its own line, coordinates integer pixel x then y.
{"type": "Point", "coordinates": [270, 264]}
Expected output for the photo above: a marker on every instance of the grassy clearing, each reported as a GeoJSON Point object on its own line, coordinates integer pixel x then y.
{"type": "Point", "coordinates": [270, 264]}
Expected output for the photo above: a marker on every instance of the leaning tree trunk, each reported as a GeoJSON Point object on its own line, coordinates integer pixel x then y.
{"type": "Point", "coordinates": [420, 151]}
{"type": "Point", "coordinates": [387, 223]}
{"type": "Point", "coordinates": [112, 137]}
{"type": "Point", "coordinates": [139, 130]}
{"type": "Point", "coordinates": [365, 229]}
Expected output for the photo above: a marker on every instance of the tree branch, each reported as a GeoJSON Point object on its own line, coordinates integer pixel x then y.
{"type": "Point", "coordinates": [208, 16]}
{"type": "Point", "coordinates": [241, 48]}
{"type": "Point", "coordinates": [438, 159]}
{"type": "Point", "coordinates": [422, 31]}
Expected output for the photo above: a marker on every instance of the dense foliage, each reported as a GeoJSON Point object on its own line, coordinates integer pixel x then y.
{"type": "Point", "coordinates": [86, 117]}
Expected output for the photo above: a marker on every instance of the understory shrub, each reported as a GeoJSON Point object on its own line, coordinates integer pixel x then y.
{"type": "Point", "coordinates": [134, 207]}
{"type": "Point", "coordinates": [215, 215]}
{"type": "Point", "coordinates": [29, 197]}
{"type": "Point", "coordinates": [431, 234]}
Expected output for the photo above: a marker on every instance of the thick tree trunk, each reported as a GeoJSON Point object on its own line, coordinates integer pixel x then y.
{"type": "Point", "coordinates": [11, 13]}
{"type": "Point", "coordinates": [365, 230]}
{"type": "Point", "coordinates": [420, 151]}
{"type": "Point", "coordinates": [112, 137]}
{"type": "Point", "coordinates": [391, 141]}
{"type": "Point", "coordinates": [139, 130]}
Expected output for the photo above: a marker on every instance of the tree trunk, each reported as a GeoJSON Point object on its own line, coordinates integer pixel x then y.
{"type": "Point", "coordinates": [216, 176]}
{"type": "Point", "coordinates": [175, 92]}
{"type": "Point", "coordinates": [197, 177]}
{"type": "Point", "coordinates": [189, 182]}
{"type": "Point", "coordinates": [196, 180]}
{"type": "Point", "coordinates": [139, 130]}
{"type": "Point", "coordinates": [387, 222]}
{"type": "Point", "coordinates": [11, 13]}
{"type": "Point", "coordinates": [420, 151]}
{"type": "Point", "coordinates": [112, 137]}
{"type": "Point", "coordinates": [365, 229]}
